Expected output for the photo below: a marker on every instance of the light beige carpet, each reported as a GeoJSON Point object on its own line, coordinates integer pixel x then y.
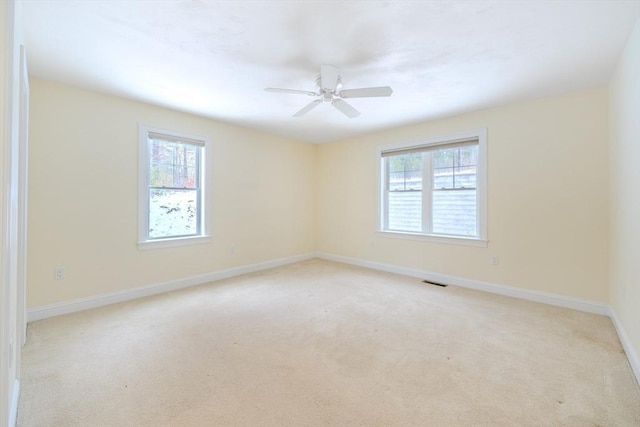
{"type": "Point", "coordinates": [325, 344]}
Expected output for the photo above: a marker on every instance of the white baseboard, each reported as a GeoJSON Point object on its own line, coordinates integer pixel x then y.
{"type": "Point", "coordinates": [526, 294]}
{"type": "Point", "coordinates": [13, 414]}
{"type": "Point", "coordinates": [632, 356]}
{"type": "Point", "coordinates": [67, 307]}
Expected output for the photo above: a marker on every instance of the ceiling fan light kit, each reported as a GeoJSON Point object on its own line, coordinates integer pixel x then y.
{"type": "Point", "coordinates": [329, 85]}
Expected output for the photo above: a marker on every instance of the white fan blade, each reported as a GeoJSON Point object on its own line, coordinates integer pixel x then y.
{"type": "Point", "coordinates": [366, 92]}
{"type": "Point", "coordinates": [329, 77]}
{"type": "Point", "coordinates": [297, 92]}
{"type": "Point", "coordinates": [310, 106]}
{"type": "Point", "coordinates": [347, 109]}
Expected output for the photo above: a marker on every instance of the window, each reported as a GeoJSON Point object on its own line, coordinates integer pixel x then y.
{"type": "Point", "coordinates": [435, 189]}
{"type": "Point", "coordinates": [173, 188]}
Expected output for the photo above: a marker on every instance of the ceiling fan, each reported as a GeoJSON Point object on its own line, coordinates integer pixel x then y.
{"type": "Point", "coordinates": [330, 90]}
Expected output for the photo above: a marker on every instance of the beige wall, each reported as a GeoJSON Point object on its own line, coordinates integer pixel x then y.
{"type": "Point", "coordinates": [547, 198]}
{"type": "Point", "coordinates": [625, 190]}
{"type": "Point", "coordinates": [547, 204]}
{"type": "Point", "coordinates": [83, 200]}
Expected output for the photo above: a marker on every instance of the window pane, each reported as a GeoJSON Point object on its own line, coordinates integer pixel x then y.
{"type": "Point", "coordinates": [465, 167]}
{"type": "Point", "coordinates": [405, 172]}
{"type": "Point", "coordinates": [404, 196]}
{"type": "Point", "coordinates": [185, 171]}
{"type": "Point", "coordinates": [405, 211]}
{"type": "Point", "coordinates": [454, 212]}
{"type": "Point", "coordinates": [173, 164]}
{"type": "Point", "coordinates": [161, 175]}
{"type": "Point", "coordinates": [455, 167]}
{"type": "Point", "coordinates": [465, 177]}
{"type": "Point", "coordinates": [443, 158]}
{"type": "Point", "coordinates": [161, 152]}
{"type": "Point", "coordinates": [442, 178]}
{"type": "Point", "coordinates": [173, 213]}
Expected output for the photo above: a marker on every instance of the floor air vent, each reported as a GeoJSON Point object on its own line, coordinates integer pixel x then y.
{"type": "Point", "coordinates": [434, 283]}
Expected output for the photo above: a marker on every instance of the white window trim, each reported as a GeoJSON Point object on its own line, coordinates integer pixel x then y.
{"type": "Point", "coordinates": [143, 194]}
{"type": "Point", "coordinates": [482, 191]}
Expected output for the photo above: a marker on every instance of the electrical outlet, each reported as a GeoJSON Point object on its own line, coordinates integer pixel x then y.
{"type": "Point", "coordinates": [59, 273]}
{"type": "Point", "coordinates": [494, 260]}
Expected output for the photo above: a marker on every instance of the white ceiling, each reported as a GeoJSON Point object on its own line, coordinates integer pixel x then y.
{"type": "Point", "coordinates": [214, 58]}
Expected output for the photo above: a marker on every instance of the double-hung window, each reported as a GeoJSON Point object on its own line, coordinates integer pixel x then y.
{"type": "Point", "coordinates": [435, 189]}
{"type": "Point", "coordinates": [173, 188]}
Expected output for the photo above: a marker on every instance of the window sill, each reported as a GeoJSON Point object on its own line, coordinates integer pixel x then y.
{"type": "Point", "coordinates": [169, 243]}
{"type": "Point", "coordinates": [449, 240]}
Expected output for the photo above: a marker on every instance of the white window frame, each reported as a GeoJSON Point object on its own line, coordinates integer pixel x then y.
{"type": "Point", "coordinates": [481, 189]}
{"type": "Point", "coordinates": [143, 189]}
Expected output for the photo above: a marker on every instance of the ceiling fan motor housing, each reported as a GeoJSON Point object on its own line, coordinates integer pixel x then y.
{"type": "Point", "coordinates": [328, 95]}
